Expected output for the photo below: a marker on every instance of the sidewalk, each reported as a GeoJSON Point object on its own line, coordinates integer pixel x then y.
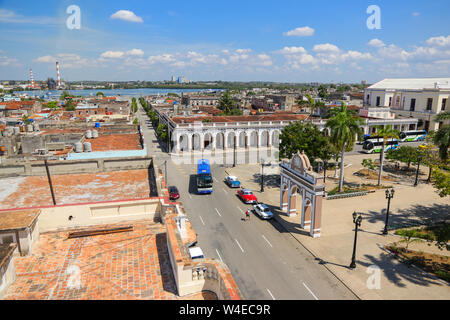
{"type": "Point", "coordinates": [334, 247]}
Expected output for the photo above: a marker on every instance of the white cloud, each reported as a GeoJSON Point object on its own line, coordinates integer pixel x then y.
{"type": "Point", "coordinates": [163, 58]}
{"type": "Point", "coordinates": [356, 55]}
{"type": "Point", "coordinates": [326, 47]}
{"type": "Point", "coordinates": [292, 50]}
{"type": "Point", "coordinates": [135, 52]}
{"type": "Point", "coordinates": [126, 15]}
{"type": "Point", "coordinates": [6, 61]}
{"type": "Point", "coordinates": [112, 54]}
{"type": "Point", "coordinates": [377, 43]}
{"type": "Point", "coordinates": [300, 32]}
{"type": "Point", "coordinates": [416, 14]}
{"type": "Point", "coordinates": [46, 59]}
{"type": "Point", "coordinates": [439, 41]}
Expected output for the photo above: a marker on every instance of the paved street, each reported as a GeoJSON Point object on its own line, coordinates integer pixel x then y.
{"type": "Point", "coordinates": [265, 260]}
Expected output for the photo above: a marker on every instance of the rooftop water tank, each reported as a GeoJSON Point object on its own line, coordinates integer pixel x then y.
{"type": "Point", "coordinates": [29, 128]}
{"type": "Point", "coordinates": [97, 124]}
{"type": "Point", "coordinates": [87, 147]}
{"type": "Point", "coordinates": [78, 147]}
{"type": "Point", "coordinates": [88, 134]}
{"type": "Point", "coordinates": [94, 134]}
{"type": "Point", "coordinates": [36, 126]}
{"type": "Point", "coordinates": [16, 130]}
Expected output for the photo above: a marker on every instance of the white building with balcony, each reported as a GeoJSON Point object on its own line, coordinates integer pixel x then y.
{"type": "Point", "coordinates": [412, 98]}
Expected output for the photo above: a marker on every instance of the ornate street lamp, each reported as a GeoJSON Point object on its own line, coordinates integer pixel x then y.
{"type": "Point", "coordinates": [357, 219]}
{"type": "Point", "coordinates": [262, 173]}
{"type": "Point", "coordinates": [389, 196]}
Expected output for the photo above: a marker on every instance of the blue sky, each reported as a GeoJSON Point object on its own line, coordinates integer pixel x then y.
{"type": "Point", "coordinates": [284, 40]}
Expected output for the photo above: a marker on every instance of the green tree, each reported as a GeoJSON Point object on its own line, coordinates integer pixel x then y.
{"type": "Point", "coordinates": [345, 126]}
{"type": "Point", "coordinates": [404, 154]}
{"type": "Point", "coordinates": [368, 163]}
{"type": "Point", "coordinates": [442, 136]}
{"type": "Point", "coordinates": [99, 94]}
{"type": "Point", "coordinates": [386, 133]}
{"type": "Point", "coordinates": [226, 103]}
{"type": "Point", "coordinates": [441, 181]}
{"type": "Point", "coordinates": [52, 104]}
{"type": "Point", "coordinates": [408, 237]}
{"type": "Point", "coordinates": [69, 106]}
{"type": "Point", "coordinates": [323, 91]}
{"type": "Point", "coordinates": [313, 105]}
{"type": "Point", "coordinates": [304, 137]}
{"type": "Point", "coordinates": [135, 121]}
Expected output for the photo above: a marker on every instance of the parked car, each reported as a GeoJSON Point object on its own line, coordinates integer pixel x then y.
{"type": "Point", "coordinates": [263, 211]}
{"type": "Point", "coordinates": [196, 253]}
{"type": "Point", "coordinates": [232, 182]}
{"type": "Point", "coordinates": [247, 196]}
{"type": "Point", "coordinates": [173, 193]}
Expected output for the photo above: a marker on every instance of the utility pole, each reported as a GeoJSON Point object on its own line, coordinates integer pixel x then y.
{"type": "Point", "coordinates": [50, 181]}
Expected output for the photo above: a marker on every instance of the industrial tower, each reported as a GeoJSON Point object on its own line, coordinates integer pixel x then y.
{"type": "Point", "coordinates": [58, 75]}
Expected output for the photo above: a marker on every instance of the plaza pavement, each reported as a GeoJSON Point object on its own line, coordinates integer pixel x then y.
{"type": "Point", "coordinates": [334, 247]}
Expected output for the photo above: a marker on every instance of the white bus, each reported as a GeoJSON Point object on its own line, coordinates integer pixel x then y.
{"type": "Point", "coordinates": [410, 136]}
{"type": "Point", "coordinates": [376, 146]}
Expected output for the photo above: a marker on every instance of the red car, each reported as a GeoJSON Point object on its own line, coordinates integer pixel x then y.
{"type": "Point", "coordinates": [173, 193]}
{"type": "Point", "coordinates": [247, 196]}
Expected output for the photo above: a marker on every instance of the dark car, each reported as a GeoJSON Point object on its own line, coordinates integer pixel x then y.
{"type": "Point", "coordinates": [173, 193]}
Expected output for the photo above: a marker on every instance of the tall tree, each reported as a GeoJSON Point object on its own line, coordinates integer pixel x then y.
{"type": "Point", "coordinates": [313, 105]}
{"type": "Point", "coordinates": [304, 137]}
{"type": "Point", "coordinates": [385, 133]}
{"type": "Point", "coordinates": [442, 136]}
{"type": "Point", "coordinates": [226, 103]}
{"type": "Point", "coordinates": [345, 125]}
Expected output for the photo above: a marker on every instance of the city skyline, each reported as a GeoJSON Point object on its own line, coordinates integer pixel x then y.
{"type": "Point", "coordinates": [281, 42]}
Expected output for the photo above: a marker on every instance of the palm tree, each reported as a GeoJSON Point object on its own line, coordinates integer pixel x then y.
{"type": "Point", "coordinates": [385, 133]}
{"type": "Point", "coordinates": [345, 125]}
{"type": "Point", "coordinates": [313, 105]}
{"type": "Point", "coordinates": [442, 136]}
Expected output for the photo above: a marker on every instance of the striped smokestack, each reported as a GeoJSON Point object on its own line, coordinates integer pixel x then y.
{"type": "Point", "coordinates": [57, 74]}
{"type": "Point", "coordinates": [32, 78]}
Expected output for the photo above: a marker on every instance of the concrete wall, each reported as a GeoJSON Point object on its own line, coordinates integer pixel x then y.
{"type": "Point", "coordinates": [37, 168]}
{"type": "Point", "coordinates": [107, 154]}
{"type": "Point", "coordinates": [92, 214]}
{"type": "Point", "coordinates": [7, 274]}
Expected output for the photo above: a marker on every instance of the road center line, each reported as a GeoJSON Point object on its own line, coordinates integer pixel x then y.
{"type": "Point", "coordinates": [242, 211]}
{"type": "Point", "coordinates": [202, 220]}
{"type": "Point", "coordinates": [218, 212]}
{"type": "Point", "coordinates": [239, 245]}
{"type": "Point", "coordinates": [215, 179]}
{"type": "Point", "coordinates": [267, 241]}
{"type": "Point", "coordinates": [271, 294]}
{"type": "Point", "coordinates": [224, 190]}
{"type": "Point", "coordinates": [219, 255]}
{"type": "Point", "coordinates": [310, 291]}
{"type": "Point", "coordinates": [189, 196]}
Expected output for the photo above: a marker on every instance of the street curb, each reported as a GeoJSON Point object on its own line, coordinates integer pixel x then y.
{"type": "Point", "coordinates": [324, 265]}
{"type": "Point", "coordinates": [401, 259]}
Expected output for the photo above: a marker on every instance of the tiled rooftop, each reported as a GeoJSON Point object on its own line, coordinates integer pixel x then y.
{"type": "Point", "coordinates": [17, 219]}
{"type": "Point", "coordinates": [129, 265]}
{"type": "Point", "coordinates": [271, 117]}
{"type": "Point", "coordinates": [23, 192]}
{"type": "Point", "coordinates": [116, 142]}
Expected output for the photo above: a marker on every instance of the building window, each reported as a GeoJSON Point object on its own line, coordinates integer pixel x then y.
{"type": "Point", "coordinates": [429, 104]}
{"type": "Point", "coordinates": [444, 102]}
{"type": "Point", "coordinates": [368, 99]}
{"type": "Point", "coordinates": [390, 101]}
{"type": "Point", "coordinates": [378, 101]}
{"type": "Point", "coordinates": [412, 106]}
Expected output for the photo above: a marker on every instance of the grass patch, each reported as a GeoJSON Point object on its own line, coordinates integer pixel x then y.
{"type": "Point", "coordinates": [361, 188]}
{"type": "Point", "coordinates": [372, 175]}
{"type": "Point", "coordinates": [432, 263]}
{"type": "Point", "coordinates": [426, 233]}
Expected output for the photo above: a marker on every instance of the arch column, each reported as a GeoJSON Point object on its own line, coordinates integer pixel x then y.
{"type": "Point", "coordinates": [284, 199]}
{"type": "Point", "coordinates": [316, 225]}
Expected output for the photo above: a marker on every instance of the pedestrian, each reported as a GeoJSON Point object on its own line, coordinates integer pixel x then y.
{"type": "Point", "coordinates": [247, 215]}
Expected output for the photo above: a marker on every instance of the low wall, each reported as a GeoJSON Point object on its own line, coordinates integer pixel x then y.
{"type": "Point", "coordinates": [37, 168]}
{"type": "Point", "coordinates": [107, 154]}
{"type": "Point", "coordinates": [62, 217]}
{"type": "Point", "coordinates": [194, 276]}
